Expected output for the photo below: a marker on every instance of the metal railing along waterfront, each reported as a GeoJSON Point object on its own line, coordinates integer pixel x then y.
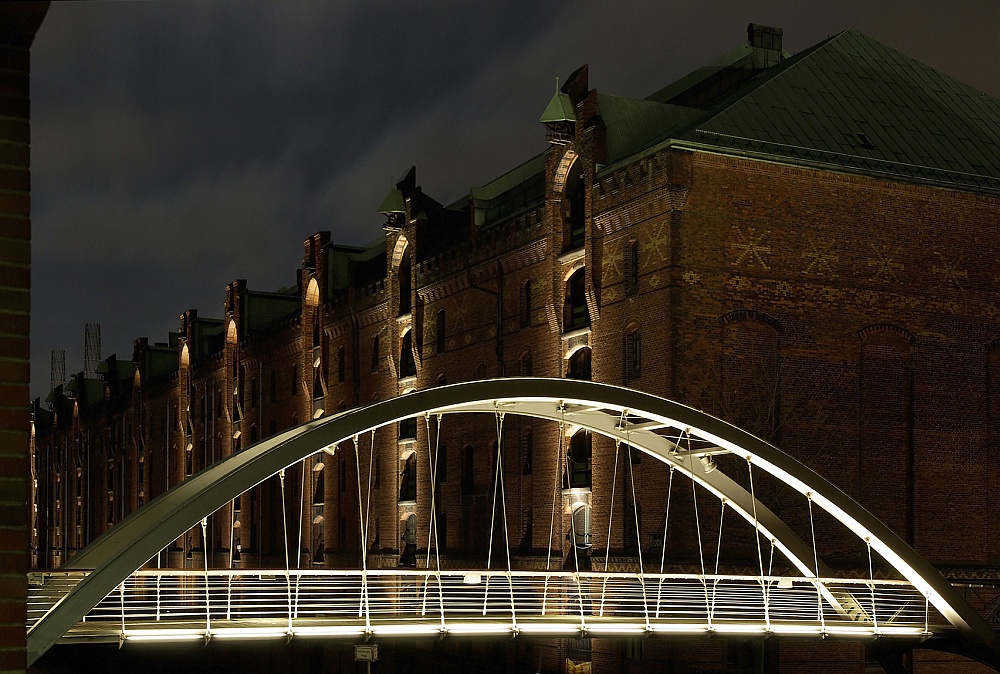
{"type": "Point", "coordinates": [187, 604]}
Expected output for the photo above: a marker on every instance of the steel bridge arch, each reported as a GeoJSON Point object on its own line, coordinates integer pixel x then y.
{"type": "Point", "coordinates": [602, 408]}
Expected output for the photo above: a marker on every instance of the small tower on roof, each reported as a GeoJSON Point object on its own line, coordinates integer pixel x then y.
{"type": "Point", "coordinates": [559, 118]}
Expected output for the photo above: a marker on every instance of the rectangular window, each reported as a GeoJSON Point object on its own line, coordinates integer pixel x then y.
{"type": "Point", "coordinates": [631, 267]}
{"type": "Point", "coordinates": [442, 531]}
{"type": "Point", "coordinates": [633, 355]}
{"type": "Point", "coordinates": [468, 476]}
{"type": "Point", "coordinates": [525, 308]}
{"type": "Point", "coordinates": [274, 386]}
{"type": "Point", "coordinates": [440, 334]}
{"type": "Point", "coordinates": [527, 452]}
{"type": "Point", "coordinates": [441, 471]}
{"type": "Point", "coordinates": [375, 353]}
{"type": "Point", "coordinates": [341, 363]}
{"type": "Point", "coordinates": [295, 380]}
{"type": "Point", "coordinates": [408, 429]}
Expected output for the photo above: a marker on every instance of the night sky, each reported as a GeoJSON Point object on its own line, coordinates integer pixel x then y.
{"type": "Point", "coordinates": [177, 146]}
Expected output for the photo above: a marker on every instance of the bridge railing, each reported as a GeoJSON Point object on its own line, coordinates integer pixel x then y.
{"type": "Point", "coordinates": [173, 603]}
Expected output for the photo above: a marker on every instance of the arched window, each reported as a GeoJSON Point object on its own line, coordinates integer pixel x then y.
{"type": "Point", "coordinates": [526, 364]}
{"type": "Point", "coordinates": [579, 460]}
{"type": "Point", "coordinates": [405, 283]}
{"type": "Point", "coordinates": [575, 314]}
{"type": "Point", "coordinates": [409, 556]}
{"type": "Point", "coordinates": [579, 364]}
{"type": "Point", "coordinates": [319, 491]}
{"type": "Point", "coordinates": [749, 376]}
{"type": "Point", "coordinates": [581, 527]}
{"type": "Point", "coordinates": [574, 228]}
{"type": "Point", "coordinates": [408, 486]}
{"type": "Point", "coordinates": [407, 365]}
{"type": "Point", "coordinates": [527, 452]}
{"type": "Point", "coordinates": [317, 386]}
{"type": "Point", "coordinates": [632, 354]}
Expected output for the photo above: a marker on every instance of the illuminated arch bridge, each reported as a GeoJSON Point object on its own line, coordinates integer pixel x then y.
{"type": "Point", "coordinates": [104, 592]}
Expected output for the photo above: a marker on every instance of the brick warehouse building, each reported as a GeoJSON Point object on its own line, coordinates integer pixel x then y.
{"type": "Point", "coordinates": [800, 244]}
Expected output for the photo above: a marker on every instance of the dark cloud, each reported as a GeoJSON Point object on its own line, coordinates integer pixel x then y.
{"type": "Point", "coordinates": [180, 145]}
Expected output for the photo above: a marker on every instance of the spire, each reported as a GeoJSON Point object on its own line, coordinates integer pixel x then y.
{"type": "Point", "coordinates": [559, 118]}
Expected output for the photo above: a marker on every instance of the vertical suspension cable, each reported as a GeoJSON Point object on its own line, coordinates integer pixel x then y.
{"type": "Point", "coordinates": [493, 519]}
{"type": "Point", "coordinates": [555, 489]}
{"type": "Point", "coordinates": [638, 529]}
{"type": "Point", "coordinates": [503, 505]}
{"type": "Point", "coordinates": [432, 530]}
{"type": "Point", "coordinates": [284, 525]}
{"type": "Point", "coordinates": [663, 552]}
{"type": "Point", "coordinates": [611, 516]}
{"type": "Point", "coordinates": [819, 594]}
{"type": "Point", "coordinates": [871, 584]}
{"type": "Point", "coordinates": [121, 598]}
{"type": "Point", "coordinates": [718, 554]}
{"type": "Point", "coordinates": [760, 556]}
{"type": "Point", "coordinates": [298, 545]}
{"type": "Point", "coordinates": [437, 546]}
{"type": "Point", "coordinates": [697, 525]}
{"type": "Point", "coordinates": [362, 600]}
{"type": "Point", "coordinates": [576, 553]}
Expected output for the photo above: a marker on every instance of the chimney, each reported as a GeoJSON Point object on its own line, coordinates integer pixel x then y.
{"type": "Point", "coordinates": [766, 43]}
{"type": "Point", "coordinates": [764, 37]}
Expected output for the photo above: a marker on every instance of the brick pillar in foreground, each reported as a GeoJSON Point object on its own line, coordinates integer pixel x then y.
{"type": "Point", "coordinates": [18, 23]}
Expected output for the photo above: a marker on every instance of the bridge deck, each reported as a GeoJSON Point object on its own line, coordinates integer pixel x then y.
{"type": "Point", "coordinates": [174, 604]}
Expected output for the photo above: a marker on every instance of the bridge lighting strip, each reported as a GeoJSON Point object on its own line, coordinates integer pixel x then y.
{"type": "Point", "coordinates": [406, 630]}
{"type": "Point", "coordinates": [480, 628]}
{"type": "Point", "coordinates": [467, 629]}
{"type": "Point", "coordinates": [163, 635]}
{"type": "Point", "coordinates": [250, 633]}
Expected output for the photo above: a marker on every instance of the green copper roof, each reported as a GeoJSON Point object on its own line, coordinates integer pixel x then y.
{"type": "Point", "coordinates": [854, 102]}
{"type": "Point", "coordinates": [393, 203]}
{"type": "Point", "coordinates": [560, 109]}
{"type": "Point", "coordinates": [634, 124]}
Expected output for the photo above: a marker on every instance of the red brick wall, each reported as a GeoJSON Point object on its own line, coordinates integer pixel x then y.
{"type": "Point", "coordinates": [18, 24]}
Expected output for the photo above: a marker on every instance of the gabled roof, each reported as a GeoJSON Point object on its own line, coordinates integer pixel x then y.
{"type": "Point", "coordinates": [262, 310]}
{"type": "Point", "coordinates": [853, 102]}
{"type": "Point", "coordinates": [633, 124]}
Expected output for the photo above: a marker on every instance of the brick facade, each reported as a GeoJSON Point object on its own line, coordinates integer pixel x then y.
{"type": "Point", "coordinates": [18, 24]}
{"type": "Point", "coordinates": [850, 318]}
